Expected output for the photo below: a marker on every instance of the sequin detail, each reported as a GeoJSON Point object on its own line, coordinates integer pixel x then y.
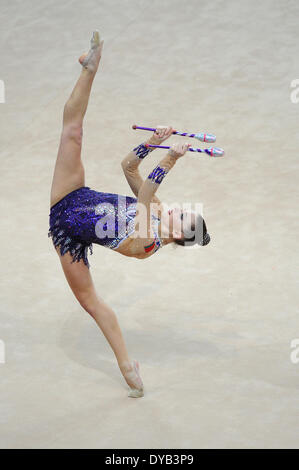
{"type": "Point", "coordinates": [60, 236]}
{"type": "Point", "coordinates": [142, 151]}
{"type": "Point", "coordinates": [85, 216]}
{"type": "Point", "coordinates": [157, 175]}
{"type": "Point", "coordinates": [155, 222]}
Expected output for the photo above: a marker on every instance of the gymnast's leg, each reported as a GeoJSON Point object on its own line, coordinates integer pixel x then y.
{"type": "Point", "coordinates": [68, 176]}
{"type": "Point", "coordinates": [81, 283]}
{"type": "Point", "coordinates": [69, 170]}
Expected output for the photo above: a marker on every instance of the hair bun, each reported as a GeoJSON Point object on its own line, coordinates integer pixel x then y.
{"type": "Point", "coordinates": [206, 239]}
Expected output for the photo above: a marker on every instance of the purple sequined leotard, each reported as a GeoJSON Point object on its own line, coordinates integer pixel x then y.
{"type": "Point", "coordinates": [85, 216]}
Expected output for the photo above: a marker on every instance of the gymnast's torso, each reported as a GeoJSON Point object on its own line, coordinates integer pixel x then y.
{"type": "Point", "coordinates": [86, 216]}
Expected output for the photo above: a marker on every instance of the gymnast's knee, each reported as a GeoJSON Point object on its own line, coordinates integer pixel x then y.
{"type": "Point", "coordinates": [89, 306]}
{"type": "Point", "coordinates": [73, 131]}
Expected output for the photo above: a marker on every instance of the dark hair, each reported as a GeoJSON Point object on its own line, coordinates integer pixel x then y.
{"type": "Point", "coordinates": [200, 235]}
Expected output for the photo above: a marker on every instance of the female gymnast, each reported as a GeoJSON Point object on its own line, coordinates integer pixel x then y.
{"type": "Point", "coordinates": [77, 213]}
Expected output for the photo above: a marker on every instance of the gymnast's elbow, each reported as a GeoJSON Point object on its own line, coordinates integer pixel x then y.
{"type": "Point", "coordinates": [127, 168]}
{"type": "Point", "coordinates": [124, 164]}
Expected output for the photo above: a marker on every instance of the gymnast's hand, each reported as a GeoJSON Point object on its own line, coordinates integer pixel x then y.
{"type": "Point", "coordinates": [178, 150]}
{"type": "Point", "coordinates": [160, 135]}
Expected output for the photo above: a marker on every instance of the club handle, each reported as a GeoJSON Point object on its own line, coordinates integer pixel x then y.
{"type": "Point", "coordinates": [212, 151]}
{"type": "Point", "coordinates": [202, 136]}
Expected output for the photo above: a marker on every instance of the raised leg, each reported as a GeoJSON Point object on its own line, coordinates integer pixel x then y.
{"type": "Point", "coordinates": [69, 170]}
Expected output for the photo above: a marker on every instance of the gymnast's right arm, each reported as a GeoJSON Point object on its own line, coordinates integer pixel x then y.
{"type": "Point", "coordinates": [154, 179]}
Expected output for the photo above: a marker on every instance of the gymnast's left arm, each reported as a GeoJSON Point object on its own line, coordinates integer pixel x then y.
{"type": "Point", "coordinates": [130, 165]}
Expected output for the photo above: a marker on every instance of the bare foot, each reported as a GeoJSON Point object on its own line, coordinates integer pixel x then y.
{"type": "Point", "coordinates": [90, 60]}
{"type": "Point", "coordinates": [131, 375]}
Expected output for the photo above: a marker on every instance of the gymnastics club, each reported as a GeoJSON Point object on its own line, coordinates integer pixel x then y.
{"type": "Point", "coordinates": [201, 136]}
{"type": "Point", "coordinates": [212, 151]}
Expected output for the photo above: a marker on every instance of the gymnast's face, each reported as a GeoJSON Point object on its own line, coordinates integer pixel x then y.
{"type": "Point", "coordinates": [180, 219]}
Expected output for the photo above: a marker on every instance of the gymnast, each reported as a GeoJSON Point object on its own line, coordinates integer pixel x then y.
{"type": "Point", "coordinates": [80, 216]}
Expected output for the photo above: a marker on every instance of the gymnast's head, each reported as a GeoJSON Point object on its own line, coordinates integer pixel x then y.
{"type": "Point", "coordinates": [188, 228]}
